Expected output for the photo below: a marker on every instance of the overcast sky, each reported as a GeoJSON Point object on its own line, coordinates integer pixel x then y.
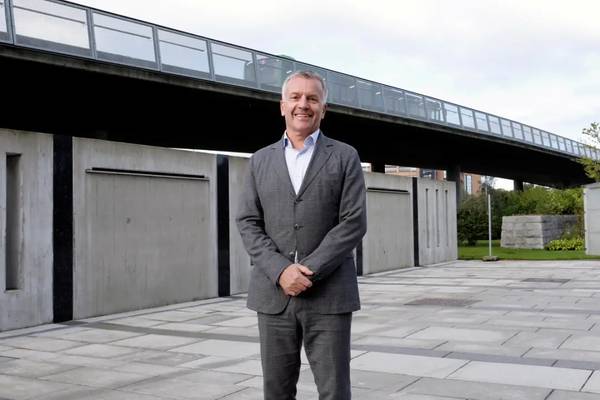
{"type": "Point", "coordinates": [534, 61]}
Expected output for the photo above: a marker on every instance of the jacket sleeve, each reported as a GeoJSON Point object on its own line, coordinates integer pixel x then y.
{"type": "Point", "coordinates": [250, 221]}
{"type": "Point", "coordinates": [339, 242]}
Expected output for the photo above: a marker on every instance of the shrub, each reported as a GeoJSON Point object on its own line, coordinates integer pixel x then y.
{"type": "Point", "coordinates": [472, 220]}
{"type": "Point", "coordinates": [575, 243]}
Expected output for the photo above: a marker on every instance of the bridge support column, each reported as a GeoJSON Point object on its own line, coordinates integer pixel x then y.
{"type": "Point", "coordinates": [518, 185]}
{"type": "Point", "coordinates": [453, 174]}
{"type": "Point", "coordinates": [378, 167]}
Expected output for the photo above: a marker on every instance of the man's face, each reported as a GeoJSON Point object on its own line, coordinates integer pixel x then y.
{"type": "Point", "coordinates": [303, 106]}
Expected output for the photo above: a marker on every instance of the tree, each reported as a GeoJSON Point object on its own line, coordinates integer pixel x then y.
{"type": "Point", "coordinates": [592, 167]}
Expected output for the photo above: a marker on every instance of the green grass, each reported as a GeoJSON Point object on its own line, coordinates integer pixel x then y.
{"type": "Point", "coordinates": [481, 249]}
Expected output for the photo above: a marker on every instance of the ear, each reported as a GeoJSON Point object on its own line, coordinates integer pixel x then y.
{"type": "Point", "coordinates": [323, 112]}
{"type": "Point", "coordinates": [282, 108]}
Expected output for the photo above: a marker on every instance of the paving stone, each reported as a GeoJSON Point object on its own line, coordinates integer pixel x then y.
{"type": "Point", "coordinates": [593, 384]}
{"type": "Point", "coordinates": [548, 340]}
{"type": "Point", "coordinates": [100, 350]}
{"type": "Point", "coordinates": [181, 389]}
{"type": "Point", "coordinates": [525, 375]}
{"type": "Point", "coordinates": [156, 342]}
{"type": "Point", "coordinates": [183, 327]}
{"type": "Point", "coordinates": [172, 316]}
{"type": "Point", "coordinates": [96, 377]}
{"type": "Point", "coordinates": [397, 342]}
{"type": "Point", "coordinates": [18, 388]}
{"type": "Point", "coordinates": [98, 335]}
{"type": "Point", "coordinates": [380, 380]}
{"type": "Point", "coordinates": [564, 354]}
{"type": "Point", "coordinates": [31, 369]}
{"type": "Point", "coordinates": [222, 348]}
{"type": "Point", "coordinates": [458, 334]}
{"type": "Point", "coordinates": [564, 395]}
{"type": "Point", "coordinates": [582, 342]}
{"type": "Point", "coordinates": [151, 369]}
{"type": "Point", "coordinates": [474, 390]}
{"type": "Point", "coordinates": [466, 347]}
{"type": "Point", "coordinates": [406, 364]}
{"type": "Point", "coordinates": [159, 357]}
{"type": "Point", "coordinates": [248, 367]}
{"type": "Point", "coordinates": [85, 393]}
{"type": "Point", "coordinates": [140, 322]}
{"type": "Point", "coordinates": [40, 343]}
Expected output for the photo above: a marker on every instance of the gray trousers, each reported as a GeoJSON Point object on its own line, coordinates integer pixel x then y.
{"type": "Point", "coordinates": [326, 339]}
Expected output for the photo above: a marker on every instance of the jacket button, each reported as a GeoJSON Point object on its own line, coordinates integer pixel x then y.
{"type": "Point", "coordinates": [291, 254]}
{"type": "Point", "coordinates": [296, 226]}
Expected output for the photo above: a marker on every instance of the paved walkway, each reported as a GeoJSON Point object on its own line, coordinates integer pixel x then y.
{"type": "Point", "coordinates": [463, 330]}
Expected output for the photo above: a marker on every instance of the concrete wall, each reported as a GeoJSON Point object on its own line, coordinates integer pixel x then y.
{"type": "Point", "coordinates": [437, 221]}
{"type": "Point", "coordinates": [388, 243]}
{"type": "Point", "coordinates": [239, 270]}
{"type": "Point", "coordinates": [534, 231]}
{"type": "Point", "coordinates": [591, 200]}
{"type": "Point", "coordinates": [30, 239]}
{"type": "Point", "coordinates": [141, 239]}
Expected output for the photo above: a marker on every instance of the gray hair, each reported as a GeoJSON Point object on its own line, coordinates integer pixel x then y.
{"type": "Point", "coordinates": [306, 75]}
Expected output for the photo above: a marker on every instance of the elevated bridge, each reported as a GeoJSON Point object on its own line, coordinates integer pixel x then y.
{"type": "Point", "coordinates": [74, 70]}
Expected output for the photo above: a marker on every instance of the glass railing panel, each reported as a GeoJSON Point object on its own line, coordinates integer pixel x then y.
{"type": "Point", "coordinates": [342, 88]}
{"type": "Point", "coordinates": [495, 125]}
{"type": "Point", "coordinates": [561, 143]}
{"type": "Point", "coordinates": [51, 26]}
{"type": "Point", "coordinates": [553, 141]}
{"type": "Point", "coordinates": [527, 134]}
{"type": "Point", "coordinates": [394, 101]}
{"type": "Point", "coordinates": [481, 121]}
{"type": "Point", "coordinates": [4, 36]}
{"type": "Point", "coordinates": [451, 113]}
{"type": "Point", "coordinates": [468, 120]}
{"type": "Point", "coordinates": [370, 95]}
{"type": "Point", "coordinates": [322, 72]}
{"type": "Point", "coordinates": [183, 54]}
{"type": "Point", "coordinates": [434, 110]}
{"type": "Point", "coordinates": [537, 136]}
{"type": "Point", "coordinates": [570, 146]}
{"type": "Point", "coordinates": [233, 65]}
{"type": "Point", "coordinates": [517, 130]}
{"type": "Point", "coordinates": [506, 128]}
{"type": "Point", "coordinates": [546, 139]}
{"type": "Point", "coordinates": [272, 71]}
{"type": "Point", "coordinates": [415, 106]}
{"type": "Point", "coordinates": [124, 42]}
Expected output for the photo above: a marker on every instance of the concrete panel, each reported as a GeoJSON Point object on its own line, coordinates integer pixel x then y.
{"type": "Point", "coordinates": [591, 199]}
{"type": "Point", "coordinates": [238, 258]}
{"type": "Point", "coordinates": [389, 241]}
{"type": "Point", "coordinates": [437, 221]}
{"type": "Point", "coordinates": [31, 303]}
{"type": "Point", "coordinates": [144, 227]}
{"type": "Point", "coordinates": [534, 231]}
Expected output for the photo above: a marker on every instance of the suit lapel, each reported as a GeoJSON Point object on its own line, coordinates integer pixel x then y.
{"type": "Point", "coordinates": [319, 158]}
{"type": "Point", "coordinates": [281, 169]}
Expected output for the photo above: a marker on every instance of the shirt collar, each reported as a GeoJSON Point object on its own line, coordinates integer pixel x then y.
{"type": "Point", "coordinates": [309, 141]}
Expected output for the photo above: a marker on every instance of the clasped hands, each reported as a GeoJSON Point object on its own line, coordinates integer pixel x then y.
{"type": "Point", "coordinates": [294, 279]}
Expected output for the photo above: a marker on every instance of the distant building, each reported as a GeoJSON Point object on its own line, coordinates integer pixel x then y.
{"type": "Point", "coordinates": [471, 183]}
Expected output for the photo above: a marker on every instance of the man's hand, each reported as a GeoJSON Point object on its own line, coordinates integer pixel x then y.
{"type": "Point", "coordinates": [293, 280]}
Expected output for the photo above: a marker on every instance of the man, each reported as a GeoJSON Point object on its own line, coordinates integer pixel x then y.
{"type": "Point", "coordinates": [301, 214]}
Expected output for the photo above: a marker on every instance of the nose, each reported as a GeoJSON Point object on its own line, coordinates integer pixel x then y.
{"type": "Point", "coordinates": [303, 102]}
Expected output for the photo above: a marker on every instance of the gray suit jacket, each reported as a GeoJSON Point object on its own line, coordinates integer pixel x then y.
{"type": "Point", "coordinates": [323, 223]}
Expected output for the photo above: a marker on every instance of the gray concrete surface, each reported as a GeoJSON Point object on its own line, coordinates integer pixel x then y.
{"type": "Point", "coordinates": [437, 221]}
{"type": "Point", "coordinates": [388, 243]}
{"type": "Point", "coordinates": [534, 231]}
{"type": "Point", "coordinates": [461, 330]}
{"type": "Point", "coordinates": [591, 199]}
{"type": "Point", "coordinates": [31, 244]}
{"type": "Point", "coordinates": [141, 239]}
{"type": "Point", "coordinates": [239, 260]}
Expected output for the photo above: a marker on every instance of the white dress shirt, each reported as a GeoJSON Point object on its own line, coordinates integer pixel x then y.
{"type": "Point", "coordinates": [297, 160]}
